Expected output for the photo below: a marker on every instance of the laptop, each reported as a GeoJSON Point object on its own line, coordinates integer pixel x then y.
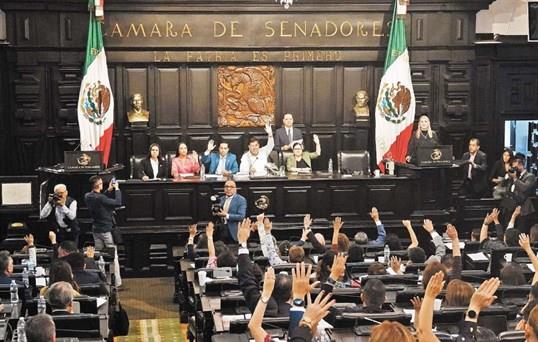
{"type": "Point", "coordinates": [440, 155]}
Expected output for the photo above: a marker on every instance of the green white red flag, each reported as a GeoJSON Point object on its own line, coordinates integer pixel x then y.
{"type": "Point", "coordinates": [395, 106]}
{"type": "Point", "coordinates": [96, 104]}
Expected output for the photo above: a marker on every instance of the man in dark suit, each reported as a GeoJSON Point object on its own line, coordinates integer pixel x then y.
{"type": "Point", "coordinates": [222, 163]}
{"type": "Point", "coordinates": [520, 186]}
{"type": "Point", "coordinates": [6, 267]}
{"type": "Point", "coordinates": [234, 210]}
{"type": "Point", "coordinates": [287, 134]}
{"type": "Point", "coordinates": [83, 276]}
{"type": "Point", "coordinates": [474, 171]}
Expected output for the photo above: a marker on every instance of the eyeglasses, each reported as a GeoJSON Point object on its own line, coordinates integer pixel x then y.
{"type": "Point", "coordinates": [229, 186]}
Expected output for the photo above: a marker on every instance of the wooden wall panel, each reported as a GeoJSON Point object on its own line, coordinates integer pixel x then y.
{"type": "Point", "coordinates": [355, 79]}
{"type": "Point", "coordinates": [324, 97]}
{"type": "Point", "coordinates": [293, 95]}
{"type": "Point", "coordinates": [168, 108]}
{"type": "Point", "coordinates": [199, 98]}
{"type": "Point", "coordinates": [135, 81]}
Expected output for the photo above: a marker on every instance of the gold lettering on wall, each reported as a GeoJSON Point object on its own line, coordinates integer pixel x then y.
{"type": "Point", "coordinates": [136, 29]}
{"type": "Point", "coordinates": [269, 27]}
{"type": "Point", "coordinates": [117, 31]}
{"type": "Point", "coordinates": [170, 33]}
{"type": "Point", "coordinates": [155, 31]}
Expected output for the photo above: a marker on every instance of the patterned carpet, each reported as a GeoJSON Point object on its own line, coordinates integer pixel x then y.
{"type": "Point", "coordinates": [152, 314]}
{"type": "Point", "coordinates": [156, 330]}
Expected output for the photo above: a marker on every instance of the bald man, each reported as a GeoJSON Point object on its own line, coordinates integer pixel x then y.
{"type": "Point", "coordinates": [61, 212]}
{"type": "Point", "coordinates": [234, 210]}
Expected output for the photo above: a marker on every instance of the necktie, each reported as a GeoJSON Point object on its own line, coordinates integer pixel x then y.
{"type": "Point", "coordinates": [289, 136]}
{"type": "Point", "coordinates": [226, 205]}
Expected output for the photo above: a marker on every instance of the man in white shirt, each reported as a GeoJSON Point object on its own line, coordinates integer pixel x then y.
{"type": "Point", "coordinates": [61, 212]}
{"type": "Point", "coordinates": [254, 160]}
{"type": "Point", "coordinates": [286, 135]}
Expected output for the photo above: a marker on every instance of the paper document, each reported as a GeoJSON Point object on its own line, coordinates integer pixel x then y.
{"type": "Point", "coordinates": [478, 256]}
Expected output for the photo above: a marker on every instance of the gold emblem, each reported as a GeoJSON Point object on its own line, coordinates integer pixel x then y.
{"type": "Point", "coordinates": [84, 160]}
{"type": "Point", "coordinates": [436, 154]}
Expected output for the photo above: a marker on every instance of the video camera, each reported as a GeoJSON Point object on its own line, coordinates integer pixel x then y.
{"type": "Point", "coordinates": [215, 208]}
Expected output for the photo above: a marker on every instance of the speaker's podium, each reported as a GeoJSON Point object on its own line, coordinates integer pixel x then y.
{"type": "Point", "coordinates": [432, 166]}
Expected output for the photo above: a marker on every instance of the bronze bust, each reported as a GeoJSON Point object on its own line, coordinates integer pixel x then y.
{"type": "Point", "coordinates": [361, 105]}
{"type": "Point", "coordinates": [137, 113]}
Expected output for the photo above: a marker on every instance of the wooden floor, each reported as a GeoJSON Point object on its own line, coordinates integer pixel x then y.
{"type": "Point", "coordinates": [152, 314]}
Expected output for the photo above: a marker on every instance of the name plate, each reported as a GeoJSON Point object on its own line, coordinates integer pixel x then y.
{"type": "Point", "coordinates": [83, 161]}
{"type": "Point", "coordinates": [434, 156]}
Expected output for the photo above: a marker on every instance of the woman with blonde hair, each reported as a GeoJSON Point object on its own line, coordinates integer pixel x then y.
{"type": "Point", "coordinates": [391, 331]}
{"type": "Point", "coordinates": [424, 136]}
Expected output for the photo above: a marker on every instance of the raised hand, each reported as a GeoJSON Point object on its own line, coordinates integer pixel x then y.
{"type": "Point", "coordinates": [374, 214]}
{"type": "Point", "coordinates": [407, 224]}
{"type": "Point", "coordinates": [316, 139]}
{"type": "Point", "coordinates": [495, 215]}
{"type": "Point", "coordinates": [435, 285]}
{"type": "Point", "coordinates": [417, 303]}
{"type": "Point", "coordinates": [52, 237]}
{"type": "Point", "coordinates": [484, 296]}
{"type": "Point", "coordinates": [192, 230]}
{"type": "Point", "coordinates": [268, 282]}
{"type": "Point", "coordinates": [29, 239]}
{"type": "Point", "coordinates": [524, 242]}
{"type": "Point", "coordinates": [307, 221]}
{"type": "Point", "coordinates": [338, 268]}
{"type": "Point", "coordinates": [301, 280]}
{"type": "Point", "coordinates": [267, 225]}
{"type": "Point", "coordinates": [488, 219]}
{"type": "Point", "coordinates": [395, 264]}
{"type": "Point", "coordinates": [451, 232]}
{"type": "Point", "coordinates": [428, 225]}
{"type": "Point", "coordinates": [516, 212]}
{"type": "Point", "coordinates": [90, 252]}
{"type": "Point", "coordinates": [317, 310]}
{"type": "Point", "coordinates": [210, 145]}
{"type": "Point", "coordinates": [209, 229]}
{"type": "Point", "coordinates": [194, 155]}
{"type": "Point", "coordinates": [243, 231]}
{"type": "Point", "coordinates": [268, 129]}
{"type": "Point", "coordinates": [337, 224]}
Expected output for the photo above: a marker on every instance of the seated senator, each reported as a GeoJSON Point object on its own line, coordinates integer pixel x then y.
{"type": "Point", "coordinates": [152, 167]}
{"type": "Point", "coordinates": [301, 160]}
{"type": "Point", "coordinates": [183, 162]}
{"type": "Point", "coordinates": [222, 163]}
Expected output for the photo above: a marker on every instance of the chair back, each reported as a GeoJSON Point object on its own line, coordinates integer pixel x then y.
{"type": "Point", "coordinates": [135, 164]}
{"type": "Point", "coordinates": [354, 161]}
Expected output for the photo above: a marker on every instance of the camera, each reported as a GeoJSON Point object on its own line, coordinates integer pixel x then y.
{"type": "Point", "coordinates": [513, 170]}
{"type": "Point", "coordinates": [55, 198]}
{"type": "Point", "coordinates": [215, 205]}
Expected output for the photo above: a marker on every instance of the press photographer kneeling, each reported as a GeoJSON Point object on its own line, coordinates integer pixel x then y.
{"type": "Point", "coordinates": [61, 212]}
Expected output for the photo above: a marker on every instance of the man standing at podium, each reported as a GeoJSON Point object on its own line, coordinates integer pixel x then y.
{"type": "Point", "coordinates": [61, 212]}
{"type": "Point", "coordinates": [234, 210]}
{"type": "Point", "coordinates": [474, 168]}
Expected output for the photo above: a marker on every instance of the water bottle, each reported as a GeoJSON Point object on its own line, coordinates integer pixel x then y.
{"type": "Point", "coordinates": [26, 278]}
{"type": "Point", "coordinates": [202, 172]}
{"type": "Point", "coordinates": [21, 332]}
{"type": "Point", "coordinates": [282, 172]}
{"type": "Point", "coordinates": [41, 305]}
{"type": "Point", "coordinates": [101, 264]}
{"type": "Point", "coordinates": [32, 258]}
{"type": "Point", "coordinates": [14, 292]}
{"type": "Point", "coordinates": [386, 254]}
{"type": "Point", "coordinates": [330, 167]}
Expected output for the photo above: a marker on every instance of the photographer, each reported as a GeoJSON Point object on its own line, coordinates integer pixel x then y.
{"type": "Point", "coordinates": [520, 186]}
{"type": "Point", "coordinates": [61, 212]}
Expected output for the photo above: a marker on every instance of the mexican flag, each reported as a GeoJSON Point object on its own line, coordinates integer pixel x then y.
{"type": "Point", "coordinates": [395, 107]}
{"type": "Point", "coordinates": [95, 101]}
